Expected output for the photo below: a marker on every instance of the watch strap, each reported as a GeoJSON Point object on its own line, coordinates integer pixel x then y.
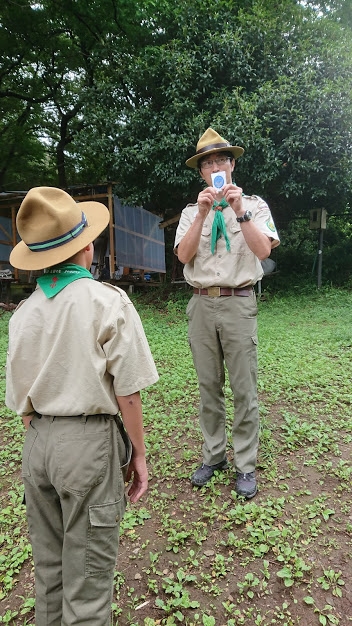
{"type": "Point", "coordinates": [245, 217]}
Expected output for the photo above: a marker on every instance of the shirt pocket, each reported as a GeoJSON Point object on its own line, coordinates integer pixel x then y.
{"type": "Point", "coordinates": [204, 243]}
{"type": "Point", "coordinates": [234, 226]}
{"type": "Point", "coordinates": [206, 231]}
{"type": "Point", "coordinates": [239, 246]}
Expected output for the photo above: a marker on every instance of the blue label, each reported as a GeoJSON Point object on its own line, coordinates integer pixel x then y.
{"type": "Point", "coordinates": [219, 182]}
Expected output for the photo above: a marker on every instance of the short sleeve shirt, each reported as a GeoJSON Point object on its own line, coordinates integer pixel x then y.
{"type": "Point", "coordinates": [240, 266]}
{"type": "Point", "coordinates": [74, 353]}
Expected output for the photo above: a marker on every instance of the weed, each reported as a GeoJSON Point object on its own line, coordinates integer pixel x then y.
{"type": "Point", "coordinates": [326, 616]}
{"type": "Point", "coordinates": [203, 557]}
{"type": "Point", "coordinates": [332, 580]}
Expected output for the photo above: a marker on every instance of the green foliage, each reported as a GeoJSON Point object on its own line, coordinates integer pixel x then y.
{"type": "Point", "coordinates": [202, 557]}
{"type": "Point", "coordinates": [297, 256]}
{"type": "Point", "coordinates": [332, 580]}
{"type": "Point", "coordinates": [265, 80]}
{"type": "Point", "coordinates": [54, 60]}
{"type": "Point", "coordinates": [126, 96]}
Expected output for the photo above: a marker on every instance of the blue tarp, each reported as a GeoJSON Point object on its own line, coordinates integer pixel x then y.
{"type": "Point", "coordinates": [5, 235]}
{"type": "Point", "coordinates": [139, 242]}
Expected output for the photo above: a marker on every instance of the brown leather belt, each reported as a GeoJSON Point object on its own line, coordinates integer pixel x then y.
{"type": "Point", "coordinates": [215, 292]}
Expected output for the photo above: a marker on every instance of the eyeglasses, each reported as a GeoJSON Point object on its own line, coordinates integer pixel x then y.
{"type": "Point", "coordinates": [205, 165]}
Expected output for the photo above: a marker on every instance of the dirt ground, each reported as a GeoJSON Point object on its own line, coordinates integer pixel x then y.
{"type": "Point", "coordinates": [183, 544]}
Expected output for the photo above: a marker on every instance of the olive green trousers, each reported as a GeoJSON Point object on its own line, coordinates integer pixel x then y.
{"type": "Point", "coordinates": [223, 331]}
{"type": "Point", "coordinates": [73, 472]}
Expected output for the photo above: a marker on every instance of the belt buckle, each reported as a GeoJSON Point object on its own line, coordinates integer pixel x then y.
{"type": "Point", "coordinates": [214, 292]}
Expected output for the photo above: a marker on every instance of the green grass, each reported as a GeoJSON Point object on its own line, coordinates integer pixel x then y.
{"type": "Point", "coordinates": [206, 557]}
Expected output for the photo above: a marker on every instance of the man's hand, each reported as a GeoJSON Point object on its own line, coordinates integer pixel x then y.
{"type": "Point", "coordinates": [138, 472]}
{"type": "Point", "coordinates": [256, 241]}
{"type": "Point", "coordinates": [188, 246]}
{"type": "Point", "coordinates": [206, 200]}
{"type": "Point", "coordinates": [233, 196]}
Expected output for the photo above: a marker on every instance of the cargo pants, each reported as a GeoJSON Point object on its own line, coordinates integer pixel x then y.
{"type": "Point", "coordinates": [73, 471]}
{"type": "Point", "coordinates": [223, 331]}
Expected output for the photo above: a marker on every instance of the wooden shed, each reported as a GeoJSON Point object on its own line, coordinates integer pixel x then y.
{"type": "Point", "coordinates": [132, 247]}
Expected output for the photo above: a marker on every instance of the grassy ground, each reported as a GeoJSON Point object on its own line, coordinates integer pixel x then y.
{"type": "Point", "coordinates": [205, 557]}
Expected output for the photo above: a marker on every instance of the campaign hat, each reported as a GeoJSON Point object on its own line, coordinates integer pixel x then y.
{"type": "Point", "coordinates": [211, 142]}
{"type": "Point", "coordinates": [53, 227]}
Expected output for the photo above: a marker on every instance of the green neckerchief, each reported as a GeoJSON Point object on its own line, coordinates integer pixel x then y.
{"type": "Point", "coordinates": [56, 278]}
{"type": "Point", "coordinates": [219, 226]}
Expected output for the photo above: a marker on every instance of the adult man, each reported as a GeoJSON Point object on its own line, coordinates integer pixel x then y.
{"type": "Point", "coordinates": [77, 356]}
{"type": "Point", "coordinates": [221, 240]}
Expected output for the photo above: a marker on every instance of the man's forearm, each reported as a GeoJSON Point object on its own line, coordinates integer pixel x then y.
{"type": "Point", "coordinates": [257, 242]}
{"type": "Point", "coordinates": [188, 245]}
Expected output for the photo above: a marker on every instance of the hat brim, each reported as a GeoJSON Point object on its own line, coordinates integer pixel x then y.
{"type": "Point", "coordinates": [98, 217]}
{"type": "Point", "coordinates": [235, 150]}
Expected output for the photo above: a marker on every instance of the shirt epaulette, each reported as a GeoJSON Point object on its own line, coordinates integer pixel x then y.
{"type": "Point", "coordinates": [252, 197]}
{"type": "Point", "coordinates": [21, 303]}
{"type": "Point", "coordinates": [118, 289]}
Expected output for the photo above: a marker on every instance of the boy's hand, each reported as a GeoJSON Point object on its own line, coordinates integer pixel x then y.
{"type": "Point", "coordinates": [27, 420]}
{"type": "Point", "coordinates": [138, 472]}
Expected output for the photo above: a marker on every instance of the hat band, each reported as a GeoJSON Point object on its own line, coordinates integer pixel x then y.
{"type": "Point", "coordinates": [213, 146]}
{"type": "Point", "coordinates": [60, 241]}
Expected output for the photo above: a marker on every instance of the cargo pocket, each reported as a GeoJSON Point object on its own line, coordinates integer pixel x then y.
{"type": "Point", "coordinates": [103, 536]}
{"type": "Point", "coordinates": [31, 435]}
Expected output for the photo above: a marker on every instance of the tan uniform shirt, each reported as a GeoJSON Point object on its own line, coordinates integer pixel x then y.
{"type": "Point", "coordinates": [72, 354]}
{"type": "Point", "coordinates": [237, 268]}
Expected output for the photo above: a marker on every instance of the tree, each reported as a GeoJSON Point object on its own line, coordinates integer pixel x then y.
{"type": "Point", "coordinates": [274, 77]}
{"type": "Point", "coordinates": [122, 91]}
{"type": "Point", "coordinates": [53, 61]}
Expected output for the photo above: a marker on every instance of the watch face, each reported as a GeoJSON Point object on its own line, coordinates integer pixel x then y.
{"type": "Point", "coordinates": [245, 217]}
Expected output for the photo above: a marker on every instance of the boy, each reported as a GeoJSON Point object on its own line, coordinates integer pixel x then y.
{"type": "Point", "coordinates": [77, 357]}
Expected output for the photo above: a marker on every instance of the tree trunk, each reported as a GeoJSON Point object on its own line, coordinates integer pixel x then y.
{"type": "Point", "coordinates": [60, 164]}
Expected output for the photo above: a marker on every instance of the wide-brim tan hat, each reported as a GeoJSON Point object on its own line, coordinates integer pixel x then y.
{"type": "Point", "coordinates": [53, 227]}
{"type": "Point", "coordinates": [210, 142]}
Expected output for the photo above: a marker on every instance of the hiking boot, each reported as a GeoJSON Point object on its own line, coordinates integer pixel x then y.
{"type": "Point", "coordinates": [204, 473]}
{"type": "Point", "coordinates": [246, 485]}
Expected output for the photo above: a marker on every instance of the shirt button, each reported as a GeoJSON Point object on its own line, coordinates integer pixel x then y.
{"type": "Point", "coordinates": [219, 256]}
{"type": "Point", "coordinates": [218, 273]}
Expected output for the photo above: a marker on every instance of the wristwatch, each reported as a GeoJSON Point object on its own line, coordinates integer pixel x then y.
{"type": "Point", "coordinates": [245, 217]}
